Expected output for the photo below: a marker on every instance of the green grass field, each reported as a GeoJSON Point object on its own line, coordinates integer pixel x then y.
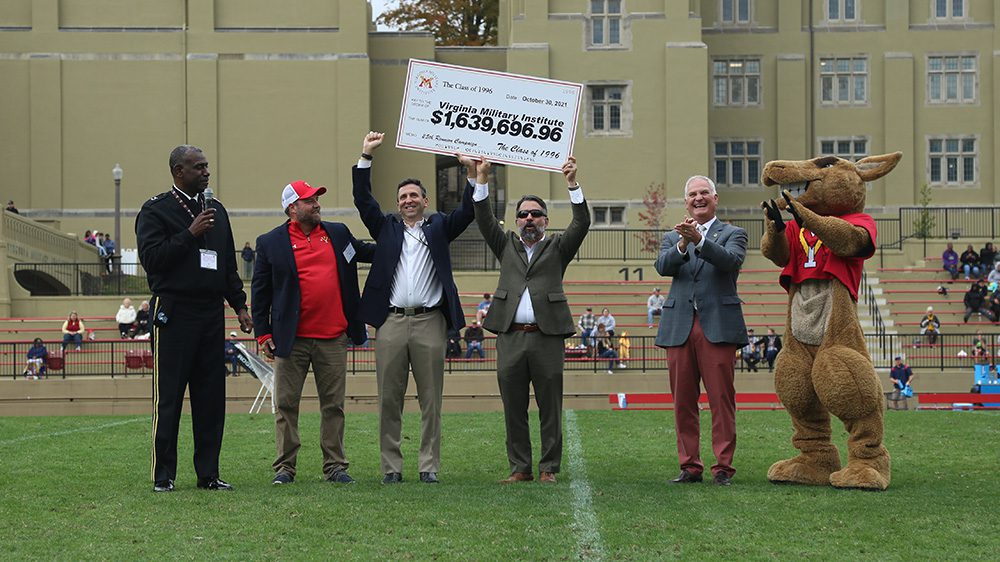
{"type": "Point", "coordinates": [76, 488]}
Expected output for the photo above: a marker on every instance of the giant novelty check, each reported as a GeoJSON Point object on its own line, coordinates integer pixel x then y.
{"type": "Point", "coordinates": [507, 118]}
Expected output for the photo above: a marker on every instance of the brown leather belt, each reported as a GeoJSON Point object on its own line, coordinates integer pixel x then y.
{"type": "Point", "coordinates": [517, 327]}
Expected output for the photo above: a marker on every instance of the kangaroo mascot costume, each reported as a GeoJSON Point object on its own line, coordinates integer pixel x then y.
{"type": "Point", "coordinates": [824, 367]}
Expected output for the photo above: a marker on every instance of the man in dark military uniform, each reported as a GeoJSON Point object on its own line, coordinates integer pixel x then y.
{"type": "Point", "coordinates": [186, 247]}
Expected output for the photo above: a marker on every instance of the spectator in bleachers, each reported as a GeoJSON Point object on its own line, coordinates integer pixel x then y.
{"type": "Point", "coordinates": [453, 349]}
{"type": "Point", "coordinates": [771, 345]}
{"type": "Point", "coordinates": [624, 349]}
{"type": "Point", "coordinates": [994, 276]}
{"type": "Point", "coordinates": [605, 349]}
{"type": "Point", "coordinates": [232, 354]}
{"type": "Point", "coordinates": [125, 317]}
{"type": "Point", "coordinates": [987, 257]}
{"type": "Point", "coordinates": [247, 255]}
{"type": "Point", "coordinates": [109, 251]}
{"type": "Point", "coordinates": [949, 260]}
{"type": "Point", "coordinates": [12, 208]}
{"type": "Point", "coordinates": [901, 376]}
{"type": "Point", "coordinates": [474, 340]}
{"type": "Point", "coordinates": [976, 301]}
{"type": "Point", "coordinates": [88, 237]}
{"type": "Point", "coordinates": [587, 325]}
{"type": "Point", "coordinates": [73, 330]}
{"type": "Point", "coordinates": [141, 326]}
{"type": "Point", "coordinates": [608, 320]}
{"type": "Point", "coordinates": [37, 356]}
{"type": "Point", "coordinates": [930, 326]}
{"type": "Point", "coordinates": [483, 308]}
{"type": "Point", "coordinates": [654, 306]}
{"type": "Point", "coordinates": [750, 353]}
{"type": "Point", "coordinates": [970, 262]}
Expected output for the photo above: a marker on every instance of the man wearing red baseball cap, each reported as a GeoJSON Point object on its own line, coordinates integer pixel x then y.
{"type": "Point", "coordinates": [305, 298]}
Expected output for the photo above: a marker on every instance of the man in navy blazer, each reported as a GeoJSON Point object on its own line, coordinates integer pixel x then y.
{"type": "Point", "coordinates": [305, 299]}
{"type": "Point", "coordinates": [411, 299]}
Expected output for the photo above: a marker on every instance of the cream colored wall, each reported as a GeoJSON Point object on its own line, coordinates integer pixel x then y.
{"type": "Point", "coordinates": [278, 91]}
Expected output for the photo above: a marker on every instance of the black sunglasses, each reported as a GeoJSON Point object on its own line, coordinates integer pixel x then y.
{"type": "Point", "coordinates": [535, 213]}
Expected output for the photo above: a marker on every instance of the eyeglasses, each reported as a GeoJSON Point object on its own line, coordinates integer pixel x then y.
{"type": "Point", "coordinates": [535, 213]}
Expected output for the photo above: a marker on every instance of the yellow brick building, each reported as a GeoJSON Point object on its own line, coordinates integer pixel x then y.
{"type": "Point", "coordinates": [275, 91]}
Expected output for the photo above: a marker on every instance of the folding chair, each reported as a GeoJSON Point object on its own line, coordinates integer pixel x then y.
{"type": "Point", "coordinates": [260, 370]}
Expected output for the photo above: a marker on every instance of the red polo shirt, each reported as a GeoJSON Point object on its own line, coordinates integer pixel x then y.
{"type": "Point", "coordinates": [321, 311]}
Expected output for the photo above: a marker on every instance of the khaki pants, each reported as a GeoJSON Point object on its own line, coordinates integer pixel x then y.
{"type": "Point", "coordinates": [329, 362]}
{"type": "Point", "coordinates": [405, 343]}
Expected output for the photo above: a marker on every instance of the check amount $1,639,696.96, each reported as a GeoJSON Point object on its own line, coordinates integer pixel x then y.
{"type": "Point", "coordinates": [492, 126]}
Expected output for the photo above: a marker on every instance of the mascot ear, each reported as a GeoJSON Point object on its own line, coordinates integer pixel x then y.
{"type": "Point", "coordinates": [874, 167]}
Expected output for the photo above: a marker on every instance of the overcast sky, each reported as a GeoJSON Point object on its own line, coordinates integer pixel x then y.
{"type": "Point", "coordinates": [378, 6]}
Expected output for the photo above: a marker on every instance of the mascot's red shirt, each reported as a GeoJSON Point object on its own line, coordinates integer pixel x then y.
{"type": "Point", "coordinates": [811, 259]}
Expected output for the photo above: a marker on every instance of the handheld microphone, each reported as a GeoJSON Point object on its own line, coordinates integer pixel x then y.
{"type": "Point", "coordinates": [209, 197]}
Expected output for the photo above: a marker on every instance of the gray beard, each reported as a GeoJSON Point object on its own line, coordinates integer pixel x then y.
{"type": "Point", "coordinates": [533, 236]}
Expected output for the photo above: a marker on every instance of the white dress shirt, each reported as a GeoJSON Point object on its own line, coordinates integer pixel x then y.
{"type": "Point", "coordinates": [415, 282]}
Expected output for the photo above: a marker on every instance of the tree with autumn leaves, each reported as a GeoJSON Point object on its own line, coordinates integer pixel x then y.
{"type": "Point", "coordinates": [655, 201]}
{"type": "Point", "coordinates": [453, 22]}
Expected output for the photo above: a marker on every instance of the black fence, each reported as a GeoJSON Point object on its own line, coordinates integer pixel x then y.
{"type": "Point", "coordinates": [129, 358]}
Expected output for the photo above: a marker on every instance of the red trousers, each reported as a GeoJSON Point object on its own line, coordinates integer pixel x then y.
{"type": "Point", "coordinates": [695, 361]}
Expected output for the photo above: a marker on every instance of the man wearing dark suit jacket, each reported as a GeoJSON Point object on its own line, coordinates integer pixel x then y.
{"type": "Point", "coordinates": [305, 302]}
{"type": "Point", "coordinates": [411, 298]}
{"type": "Point", "coordinates": [531, 318]}
{"type": "Point", "coordinates": [702, 327]}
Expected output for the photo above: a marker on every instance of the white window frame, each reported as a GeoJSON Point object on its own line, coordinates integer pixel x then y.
{"type": "Point", "coordinates": [841, 15]}
{"type": "Point", "coordinates": [605, 18]}
{"type": "Point", "coordinates": [852, 76]}
{"type": "Point", "coordinates": [745, 160]}
{"type": "Point", "coordinates": [852, 153]}
{"type": "Point", "coordinates": [608, 210]}
{"type": "Point", "coordinates": [737, 15]}
{"type": "Point", "coordinates": [964, 160]}
{"type": "Point", "coordinates": [748, 81]}
{"type": "Point", "coordinates": [624, 106]}
{"type": "Point", "coordinates": [949, 10]}
{"type": "Point", "coordinates": [963, 96]}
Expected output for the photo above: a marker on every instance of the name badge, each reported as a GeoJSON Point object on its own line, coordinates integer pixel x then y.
{"type": "Point", "coordinates": [349, 252]}
{"type": "Point", "coordinates": [209, 260]}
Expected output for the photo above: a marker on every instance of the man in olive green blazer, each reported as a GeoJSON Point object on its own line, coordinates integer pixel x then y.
{"type": "Point", "coordinates": [531, 317]}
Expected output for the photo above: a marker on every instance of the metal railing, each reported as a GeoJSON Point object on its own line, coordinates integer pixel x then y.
{"type": "Point", "coordinates": [87, 279]}
{"type": "Point", "coordinates": [108, 357]}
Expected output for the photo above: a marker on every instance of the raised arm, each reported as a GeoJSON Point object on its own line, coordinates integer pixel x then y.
{"type": "Point", "coordinates": [574, 234]}
{"type": "Point", "coordinates": [487, 222]}
{"type": "Point", "coordinates": [368, 207]}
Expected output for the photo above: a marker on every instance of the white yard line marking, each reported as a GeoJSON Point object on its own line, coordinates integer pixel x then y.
{"type": "Point", "coordinates": [24, 438]}
{"type": "Point", "coordinates": [588, 532]}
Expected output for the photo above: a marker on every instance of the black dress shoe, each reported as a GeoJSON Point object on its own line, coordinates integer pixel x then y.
{"type": "Point", "coordinates": [686, 477]}
{"type": "Point", "coordinates": [164, 486]}
{"type": "Point", "coordinates": [392, 478]}
{"type": "Point", "coordinates": [429, 477]}
{"type": "Point", "coordinates": [213, 484]}
{"type": "Point", "coordinates": [723, 479]}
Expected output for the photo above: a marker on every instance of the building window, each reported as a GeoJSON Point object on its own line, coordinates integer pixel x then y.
{"type": "Point", "coordinates": [951, 79]}
{"type": "Point", "coordinates": [948, 9]}
{"type": "Point", "coordinates": [607, 109]}
{"type": "Point", "coordinates": [736, 82]}
{"type": "Point", "coordinates": [844, 81]}
{"type": "Point", "coordinates": [841, 10]}
{"type": "Point", "coordinates": [605, 22]}
{"type": "Point", "coordinates": [737, 162]}
{"type": "Point", "coordinates": [952, 161]}
{"type": "Point", "coordinates": [853, 149]}
{"type": "Point", "coordinates": [607, 215]}
{"type": "Point", "coordinates": [735, 11]}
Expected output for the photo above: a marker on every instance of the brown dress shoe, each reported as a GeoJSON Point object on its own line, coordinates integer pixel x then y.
{"type": "Point", "coordinates": [516, 477]}
{"type": "Point", "coordinates": [547, 477]}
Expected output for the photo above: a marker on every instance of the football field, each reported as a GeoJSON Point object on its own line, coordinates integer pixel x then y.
{"type": "Point", "coordinates": [77, 488]}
